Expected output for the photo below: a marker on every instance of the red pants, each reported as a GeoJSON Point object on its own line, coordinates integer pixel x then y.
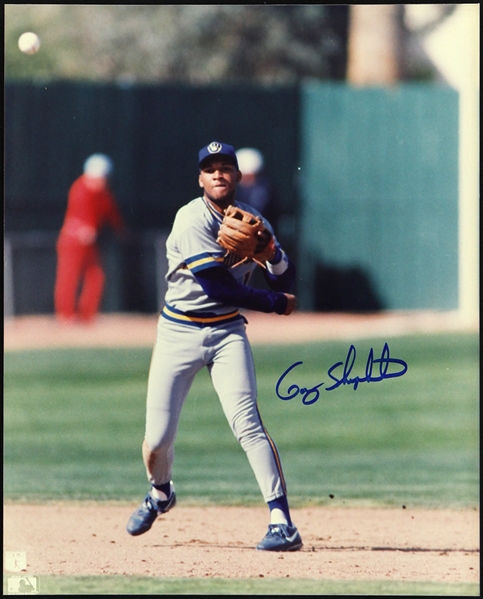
{"type": "Point", "coordinates": [78, 265]}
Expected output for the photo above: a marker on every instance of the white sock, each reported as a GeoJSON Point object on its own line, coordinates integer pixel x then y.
{"type": "Point", "coordinates": [159, 495]}
{"type": "Point", "coordinates": [277, 517]}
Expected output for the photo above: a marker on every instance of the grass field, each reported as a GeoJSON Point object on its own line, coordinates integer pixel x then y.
{"type": "Point", "coordinates": [135, 585]}
{"type": "Point", "coordinates": [74, 421]}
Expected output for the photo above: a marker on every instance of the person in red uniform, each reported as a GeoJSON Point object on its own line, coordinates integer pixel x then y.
{"type": "Point", "coordinates": [91, 205]}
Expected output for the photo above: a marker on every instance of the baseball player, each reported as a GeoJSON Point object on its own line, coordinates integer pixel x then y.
{"type": "Point", "coordinates": [200, 326]}
{"type": "Point", "coordinates": [255, 188]}
{"type": "Point", "coordinates": [90, 206]}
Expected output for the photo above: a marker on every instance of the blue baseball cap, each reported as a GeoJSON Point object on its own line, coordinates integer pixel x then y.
{"type": "Point", "coordinates": [215, 149]}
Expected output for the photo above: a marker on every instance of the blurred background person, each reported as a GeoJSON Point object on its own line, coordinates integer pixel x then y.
{"type": "Point", "coordinates": [255, 189]}
{"type": "Point", "coordinates": [80, 276]}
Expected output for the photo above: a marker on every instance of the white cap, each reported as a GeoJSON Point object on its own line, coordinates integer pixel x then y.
{"type": "Point", "coordinates": [98, 165]}
{"type": "Point", "coordinates": [250, 161]}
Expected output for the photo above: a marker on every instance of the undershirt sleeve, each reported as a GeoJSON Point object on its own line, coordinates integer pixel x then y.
{"type": "Point", "coordinates": [220, 285]}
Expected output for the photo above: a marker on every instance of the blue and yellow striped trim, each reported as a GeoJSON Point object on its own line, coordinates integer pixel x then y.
{"type": "Point", "coordinates": [275, 453]}
{"type": "Point", "coordinates": [199, 319]}
{"type": "Point", "coordinates": [202, 261]}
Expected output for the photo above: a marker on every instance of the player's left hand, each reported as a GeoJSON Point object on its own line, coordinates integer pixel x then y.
{"type": "Point", "coordinates": [245, 235]}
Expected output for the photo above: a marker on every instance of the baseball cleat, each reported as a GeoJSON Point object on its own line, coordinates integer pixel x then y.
{"type": "Point", "coordinates": [281, 537]}
{"type": "Point", "coordinates": [143, 518]}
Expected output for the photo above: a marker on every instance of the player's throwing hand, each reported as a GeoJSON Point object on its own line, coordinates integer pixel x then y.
{"type": "Point", "coordinates": [291, 303]}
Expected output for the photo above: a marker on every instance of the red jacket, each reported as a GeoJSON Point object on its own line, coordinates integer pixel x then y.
{"type": "Point", "coordinates": [88, 210]}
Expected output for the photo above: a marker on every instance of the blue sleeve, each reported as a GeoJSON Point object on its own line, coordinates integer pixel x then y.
{"type": "Point", "coordinates": [283, 282]}
{"type": "Point", "coordinates": [219, 284]}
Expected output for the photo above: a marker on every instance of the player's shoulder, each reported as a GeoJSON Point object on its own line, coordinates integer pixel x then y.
{"type": "Point", "coordinates": [79, 183]}
{"type": "Point", "coordinates": [194, 214]}
{"type": "Point", "coordinates": [193, 207]}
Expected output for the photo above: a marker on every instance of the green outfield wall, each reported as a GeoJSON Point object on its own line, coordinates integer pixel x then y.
{"type": "Point", "coordinates": [366, 183]}
{"type": "Point", "coordinates": [379, 196]}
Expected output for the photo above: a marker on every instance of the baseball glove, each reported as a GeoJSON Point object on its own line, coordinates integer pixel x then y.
{"type": "Point", "coordinates": [245, 235]}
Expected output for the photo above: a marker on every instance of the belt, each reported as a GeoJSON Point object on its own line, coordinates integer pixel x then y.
{"type": "Point", "coordinates": [199, 319]}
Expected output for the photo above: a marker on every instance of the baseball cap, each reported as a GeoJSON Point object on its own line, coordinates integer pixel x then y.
{"type": "Point", "coordinates": [216, 148]}
{"type": "Point", "coordinates": [250, 160]}
{"type": "Point", "coordinates": [98, 165]}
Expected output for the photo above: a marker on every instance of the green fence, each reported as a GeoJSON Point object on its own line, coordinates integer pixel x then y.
{"type": "Point", "coordinates": [379, 192]}
{"type": "Point", "coordinates": [366, 181]}
{"type": "Point", "coordinates": [153, 133]}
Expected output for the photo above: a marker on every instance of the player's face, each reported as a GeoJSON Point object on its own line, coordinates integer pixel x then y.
{"type": "Point", "coordinates": [219, 179]}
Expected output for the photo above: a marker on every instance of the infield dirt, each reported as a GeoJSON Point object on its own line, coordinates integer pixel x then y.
{"type": "Point", "coordinates": [339, 543]}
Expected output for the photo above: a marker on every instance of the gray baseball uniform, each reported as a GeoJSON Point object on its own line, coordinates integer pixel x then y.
{"type": "Point", "coordinates": [201, 326]}
{"type": "Point", "coordinates": [195, 331]}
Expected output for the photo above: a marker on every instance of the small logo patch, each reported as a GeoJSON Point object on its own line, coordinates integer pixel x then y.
{"type": "Point", "coordinates": [214, 147]}
{"type": "Point", "coordinates": [15, 561]}
{"type": "Point", "coordinates": [22, 585]}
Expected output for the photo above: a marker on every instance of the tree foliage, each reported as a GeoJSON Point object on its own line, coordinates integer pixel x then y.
{"type": "Point", "coordinates": [178, 43]}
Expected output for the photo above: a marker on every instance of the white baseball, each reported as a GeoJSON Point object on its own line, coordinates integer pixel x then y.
{"type": "Point", "coordinates": [29, 42]}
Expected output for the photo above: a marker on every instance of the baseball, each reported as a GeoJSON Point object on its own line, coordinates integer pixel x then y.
{"type": "Point", "coordinates": [29, 42]}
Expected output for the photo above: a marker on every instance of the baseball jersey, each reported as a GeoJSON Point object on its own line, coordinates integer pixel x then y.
{"type": "Point", "coordinates": [191, 248]}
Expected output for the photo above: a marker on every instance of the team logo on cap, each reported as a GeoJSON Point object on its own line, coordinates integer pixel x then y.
{"type": "Point", "coordinates": [214, 147]}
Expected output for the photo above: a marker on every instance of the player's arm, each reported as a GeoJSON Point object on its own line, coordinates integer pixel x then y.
{"type": "Point", "coordinates": [113, 214]}
{"type": "Point", "coordinates": [220, 285]}
{"type": "Point", "coordinates": [280, 272]}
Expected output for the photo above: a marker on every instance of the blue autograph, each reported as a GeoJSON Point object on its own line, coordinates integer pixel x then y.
{"type": "Point", "coordinates": [310, 396]}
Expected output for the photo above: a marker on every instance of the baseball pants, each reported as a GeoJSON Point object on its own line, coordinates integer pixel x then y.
{"type": "Point", "coordinates": [179, 353]}
{"type": "Point", "coordinates": [78, 265]}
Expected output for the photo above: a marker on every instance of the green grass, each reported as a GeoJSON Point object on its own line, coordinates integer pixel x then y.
{"type": "Point", "coordinates": [74, 422]}
{"type": "Point", "coordinates": [135, 585]}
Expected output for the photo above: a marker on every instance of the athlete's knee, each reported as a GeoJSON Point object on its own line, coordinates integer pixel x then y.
{"type": "Point", "coordinates": [249, 434]}
{"type": "Point", "coordinates": [245, 420]}
{"type": "Point", "coordinates": [160, 428]}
